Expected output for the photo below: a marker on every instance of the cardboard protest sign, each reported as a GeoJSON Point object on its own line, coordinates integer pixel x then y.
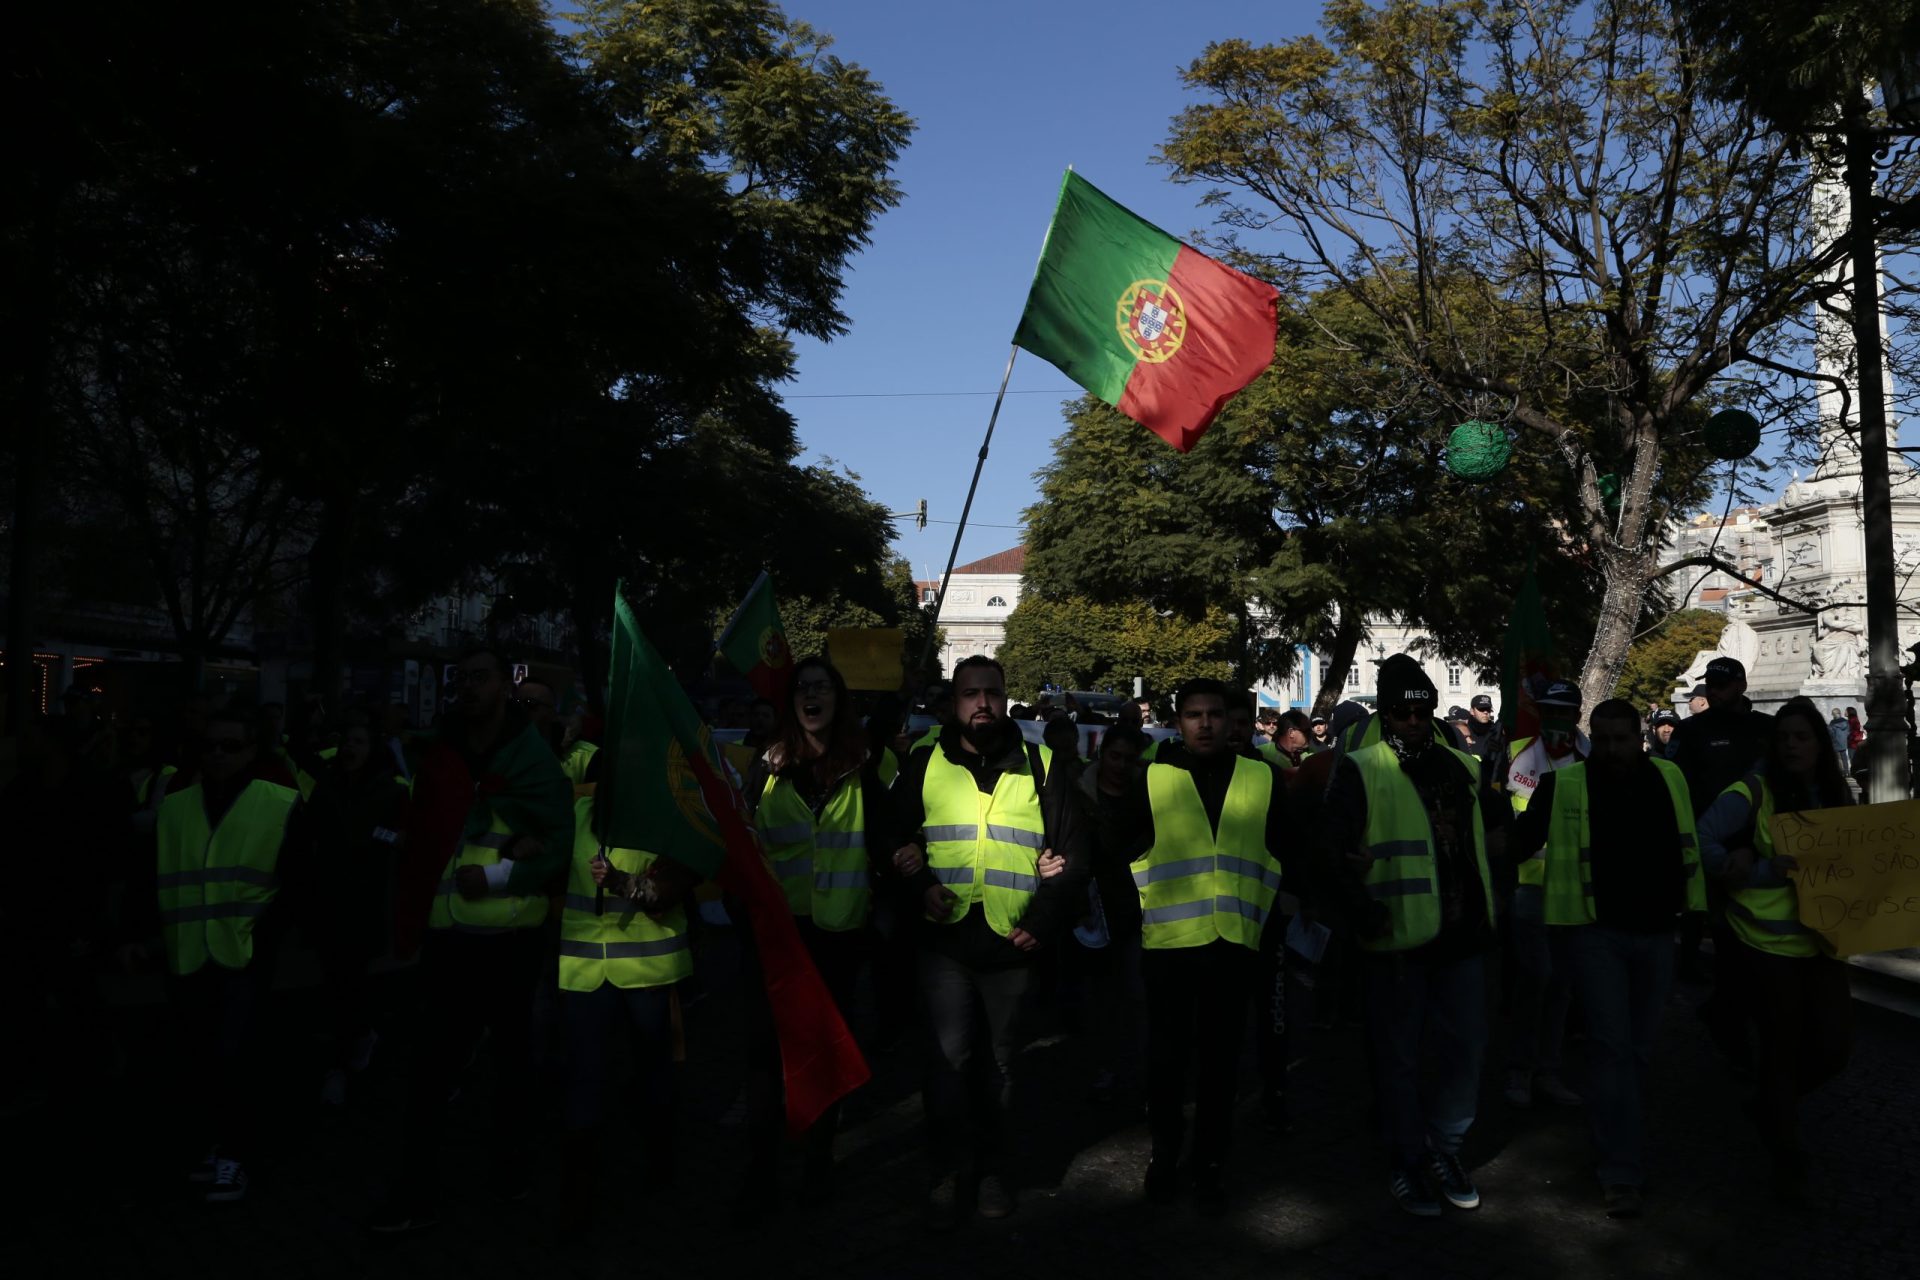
{"type": "Point", "coordinates": [1858, 882]}
{"type": "Point", "coordinates": [869, 657]}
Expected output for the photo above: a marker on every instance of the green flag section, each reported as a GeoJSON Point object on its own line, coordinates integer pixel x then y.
{"type": "Point", "coordinates": [755, 644]}
{"type": "Point", "coordinates": [1528, 659]}
{"type": "Point", "coordinates": [1164, 334]}
{"type": "Point", "coordinates": [650, 795]}
{"type": "Point", "coordinates": [663, 789]}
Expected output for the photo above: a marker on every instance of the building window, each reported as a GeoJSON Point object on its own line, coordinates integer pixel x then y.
{"type": "Point", "coordinates": [1353, 677]}
{"type": "Point", "coordinates": [1453, 677]}
{"type": "Point", "coordinates": [1324, 665]}
{"type": "Point", "coordinates": [997, 602]}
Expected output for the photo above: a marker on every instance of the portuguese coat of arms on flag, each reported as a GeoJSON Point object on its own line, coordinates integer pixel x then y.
{"type": "Point", "coordinates": [1161, 332]}
{"type": "Point", "coordinates": [755, 644]}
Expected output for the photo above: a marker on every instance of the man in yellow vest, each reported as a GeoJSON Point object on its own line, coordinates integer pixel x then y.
{"type": "Point", "coordinates": [1206, 824]}
{"type": "Point", "coordinates": [1622, 862]}
{"type": "Point", "coordinates": [493, 811]}
{"type": "Point", "coordinates": [977, 811]}
{"type": "Point", "coordinates": [218, 871]}
{"type": "Point", "coordinates": [1542, 983]}
{"type": "Point", "coordinates": [1406, 813]}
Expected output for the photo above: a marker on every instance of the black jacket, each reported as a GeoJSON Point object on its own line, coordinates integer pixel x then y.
{"type": "Point", "coordinates": [1717, 748]}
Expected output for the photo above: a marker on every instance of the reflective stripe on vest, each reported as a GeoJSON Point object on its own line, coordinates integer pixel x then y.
{"type": "Point", "coordinates": [1567, 861]}
{"type": "Point", "coordinates": [1767, 919]}
{"type": "Point", "coordinates": [494, 913]}
{"type": "Point", "coordinates": [1197, 884]}
{"type": "Point", "coordinates": [603, 938]}
{"type": "Point", "coordinates": [821, 865]}
{"type": "Point", "coordinates": [214, 882]}
{"type": "Point", "coordinates": [1399, 836]}
{"type": "Point", "coordinates": [985, 848]}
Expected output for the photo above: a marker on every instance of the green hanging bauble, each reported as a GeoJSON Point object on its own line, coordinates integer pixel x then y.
{"type": "Point", "coordinates": [1609, 486]}
{"type": "Point", "coordinates": [1478, 450]}
{"type": "Point", "coordinates": [1732, 434]}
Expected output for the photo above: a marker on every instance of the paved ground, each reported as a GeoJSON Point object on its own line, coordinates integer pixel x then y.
{"type": "Point", "coordinates": [97, 1162]}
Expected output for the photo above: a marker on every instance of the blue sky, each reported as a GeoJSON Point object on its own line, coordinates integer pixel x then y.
{"type": "Point", "coordinates": [1005, 95]}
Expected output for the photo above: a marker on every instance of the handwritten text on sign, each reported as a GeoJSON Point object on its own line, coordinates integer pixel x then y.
{"type": "Point", "coordinates": [1859, 877]}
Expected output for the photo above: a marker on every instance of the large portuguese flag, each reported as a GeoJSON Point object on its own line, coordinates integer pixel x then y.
{"type": "Point", "coordinates": [1162, 333]}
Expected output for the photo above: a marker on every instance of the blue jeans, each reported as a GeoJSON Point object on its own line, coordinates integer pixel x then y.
{"type": "Point", "coordinates": [1623, 980]}
{"type": "Point", "coordinates": [1441, 1009]}
{"type": "Point", "coordinates": [1542, 990]}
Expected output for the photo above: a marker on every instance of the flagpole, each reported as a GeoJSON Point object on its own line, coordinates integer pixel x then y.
{"type": "Point", "coordinates": [933, 629]}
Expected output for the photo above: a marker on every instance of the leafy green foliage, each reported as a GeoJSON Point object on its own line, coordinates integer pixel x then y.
{"type": "Point", "coordinates": [1658, 658]}
{"type": "Point", "coordinates": [1079, 643]}
{"type": "Point", "coordinates": [1551, 226]}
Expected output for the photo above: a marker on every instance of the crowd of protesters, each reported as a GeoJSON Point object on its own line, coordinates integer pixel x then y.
{"type": "Point", "coordinates": [1417, 862]}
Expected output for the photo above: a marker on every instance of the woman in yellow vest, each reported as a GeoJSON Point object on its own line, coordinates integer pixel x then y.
{"type": "Point", "coordinates": [623, 948]}
{"type": "Point", "coordinates": [1798, 993]}
{"type": "Point", "coordinates": [816, 794]}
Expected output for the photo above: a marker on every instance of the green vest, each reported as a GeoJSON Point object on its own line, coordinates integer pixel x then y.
{"type": "Point", "coordinates": [986, 849]}
{"type": "Point", "coordinates": [575, 765]}
{"type": "Point", "coordinates": [1197, 884]}
{"type": "Point", "coordinates": [1400, 839]}
{"type": "Point", "coordinates": [626, 947]}
{"type": "Point", "coordinates": [1567, 868]}
{"type": "Point", "coordinates": [928, 739]}
{"type": "Point", "coordinates": [1767, 919]}
{"type": "Point", "coordinates": [821, 864]}
{"type": "Point", "coordinates": [215, 882]}
{"type": "Point", "coordinates": [889, 766]}
{"type": "Point", "coordinates": [496, 912]}
{"type": "Point", "coordinates": [1274, 756]}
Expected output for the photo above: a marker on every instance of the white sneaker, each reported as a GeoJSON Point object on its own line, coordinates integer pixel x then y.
{"type": "Point", "coordinates": [333, 1091]}
{"type": "Point", "coordinates": [229, 1182]}
{"type": "Point", "coordinates": [1519, 1091]}
{"type": "Point", "coordinates": [363, 1052]}
{"type": "Point", "coordinates": [1551, 1087]}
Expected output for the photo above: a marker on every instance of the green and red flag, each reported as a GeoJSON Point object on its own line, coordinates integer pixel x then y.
{"type": "Point", "coordinates": [664, 789]}
{"type": "Point", "coordinates": [1161, 332]}
{"type": "Point", "coordinates": [755, 644]}
{"type": "Point", "coordinates": [1528, 660]}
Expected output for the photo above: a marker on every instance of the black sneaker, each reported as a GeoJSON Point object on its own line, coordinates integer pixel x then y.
{"type": "Point", "coordinates": [229, 1182]}
{"type": "Point", "coordinates": [400, 1216]}
{"type": "Point", "coordinates": [203, 1173]}
{"type": "Point", "coordinates": [1409, 1191]}
{"type": "Point", "coordinates": [1623, 1201]}
{"type": "Point", "coordinates": [943, 1204]}
{"type": "Point", "coordinates": [991, 1199]}
{"type": "Point", "coordinates": [1449, 1178]}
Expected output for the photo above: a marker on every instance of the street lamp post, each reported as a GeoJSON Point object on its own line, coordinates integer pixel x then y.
{"type": "Point", "coordinates": [1864, 144]}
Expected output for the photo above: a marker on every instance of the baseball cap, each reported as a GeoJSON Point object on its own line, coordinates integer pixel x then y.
{"type": "Point", "coordinates": [1317, 720]}
{"type": "Point", "coordinates": [1699, 691]}
{"type": "Point", "coordinates": [1481, 702]}
{"type": "Point", "coordinates": [1560, 693]}
{"type": "Point", "coordinates": [1724, 669]}
{"type": "Point", "coordinates": [1456, 713]}
{"type": "Point", "coordinates": [1665, 716]}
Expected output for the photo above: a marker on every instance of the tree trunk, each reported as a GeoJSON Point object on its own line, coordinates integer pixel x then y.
{"type": "Point", "coordinates": [589, 599]}
{"type": "Point", "coordinates": [1626, 574]}
{"type": "Point", "coordinates": [1347, 635]}
{"type": "Point", "coordinates": [326, 595]}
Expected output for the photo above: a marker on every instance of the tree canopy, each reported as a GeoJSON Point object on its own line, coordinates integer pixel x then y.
{"type": "Point", "coordinates": [1446, 167]}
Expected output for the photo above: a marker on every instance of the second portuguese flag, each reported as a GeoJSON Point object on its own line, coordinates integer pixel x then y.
{"type": "Point", "coordinates": [1162, 333]}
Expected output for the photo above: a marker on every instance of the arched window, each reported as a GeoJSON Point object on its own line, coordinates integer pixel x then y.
{"type": "Point", "coordinates": [997, 602]}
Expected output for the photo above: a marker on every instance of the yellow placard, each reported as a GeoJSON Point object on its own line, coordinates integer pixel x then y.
{"type": "Point", "coordinates": [1858, 881]}
{"type": "Point", "coordinates": [869, 657]}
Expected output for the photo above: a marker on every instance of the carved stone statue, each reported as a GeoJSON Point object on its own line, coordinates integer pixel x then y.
{"type": "Point", "coordinates": [1836, 650]}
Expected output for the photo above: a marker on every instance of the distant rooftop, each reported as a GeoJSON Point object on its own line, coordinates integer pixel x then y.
{"type": "Point", "coordinates": [1013, 560]}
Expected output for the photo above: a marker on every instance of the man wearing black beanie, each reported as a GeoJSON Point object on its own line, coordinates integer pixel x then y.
{"type": "Point", "coordinates": [1406, 814]}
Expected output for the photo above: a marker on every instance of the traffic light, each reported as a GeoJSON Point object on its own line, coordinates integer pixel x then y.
{"type": "Point", "coordinates": [920, 517]}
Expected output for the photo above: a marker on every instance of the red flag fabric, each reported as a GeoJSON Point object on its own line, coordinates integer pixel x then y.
{"type": "Point", "coordinates": [820, 1063]}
